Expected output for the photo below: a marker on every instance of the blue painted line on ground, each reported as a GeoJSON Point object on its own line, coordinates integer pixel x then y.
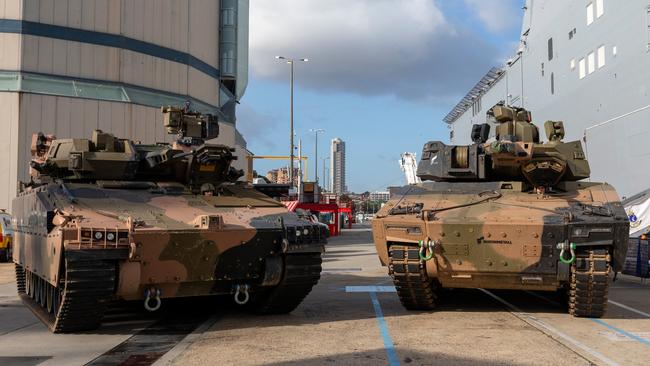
{"type": "Point", "coordinates": [621, 331]}
{"type": "Point", "coordinates": [370, 289]}
{"type": "Point", "coordinates": [388, 342]}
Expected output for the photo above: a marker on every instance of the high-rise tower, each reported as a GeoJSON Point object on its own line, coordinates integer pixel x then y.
{"type": "Point", "coordinates": [337, 168]}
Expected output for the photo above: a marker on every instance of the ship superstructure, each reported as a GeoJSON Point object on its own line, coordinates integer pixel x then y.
{"type": "Point", "coordinates": [584, 62]}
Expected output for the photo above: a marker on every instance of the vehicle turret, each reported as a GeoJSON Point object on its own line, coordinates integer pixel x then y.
{"type": "Point", "coordinates": [514, 154]}
{"type": "Point", "coordinates": [188, 160]}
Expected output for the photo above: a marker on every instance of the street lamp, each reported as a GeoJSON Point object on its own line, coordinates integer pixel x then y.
{"type": "Point", "coordinates": [291, 61]}
{"type": "Point", "coordinates": [316, 131]}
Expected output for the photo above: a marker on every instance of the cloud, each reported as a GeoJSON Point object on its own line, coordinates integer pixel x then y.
{"type": "Point", "coordinates": [496, 15]}
{"type": "Point", "coordinates": [254, 126]}
{"type": "Point", "coordinates": [369, 47]}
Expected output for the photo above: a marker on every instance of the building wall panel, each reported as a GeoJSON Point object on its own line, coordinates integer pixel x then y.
{"type": "Point", "coordinates": [203, 88]}
{"type": "Point", "coordinates": [74, 13]}
{"type": "Point", "coordinates": [101, 16]}
{"type": "Point", "coordinates": [114, 16]}
{"type": "Point", "coordinates": [204, 30]}
{"type": "Point", "coordinates": [31, 10]}
{"type": "Point", "coordinates": [63, 116]}
{"type": "Point", "coordinates": [11, 9]}
{"type": "Point", "coordinates": [9, 143]}
{"type": "Point", "coordinates": [73, 64]}
{"type": "Point", "coordinates": [59, 57]}
{"type": "Point", "coordinates": [11, 51]}
{"type": "Point", "coordinates": [87, 69]}
{"type": "Point", "coordinates": [45, 55]}
{"type": "Point", "coordinates": [60, 16]}
{"type": "Point", "coordinates": [46, 11]}
{"type": "Point", "coordinates": [88, 15]}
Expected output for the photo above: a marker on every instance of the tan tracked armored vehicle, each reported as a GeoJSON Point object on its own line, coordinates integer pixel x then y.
{"type": "Point", "coordinates": [107, 218]}
{"type": "Point", "coordinates": [507, 214]}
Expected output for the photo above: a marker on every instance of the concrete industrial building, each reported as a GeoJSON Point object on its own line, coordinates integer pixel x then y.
{"type": "Point", "coordinates": [337, 166]}
{"type": "Point", "coordinates": [76, 66]}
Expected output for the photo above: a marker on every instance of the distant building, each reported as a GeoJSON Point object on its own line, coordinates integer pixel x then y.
{"type": "Point", "coordinates": [281, 176]}
{"type": "Point", "coordinates": [272, 175]}
{"type": "Point", "coordinates": [337, 167]}
{"type": "Point", "coordinates": [380, 196]}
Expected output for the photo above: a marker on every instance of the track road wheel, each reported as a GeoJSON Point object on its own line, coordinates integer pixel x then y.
{"type": "Point", "coordinates": [415, 289]}
{"type": "Point", "coordinates": [589, 283]}
{"type": "Point", "coordinates": [301, 274]}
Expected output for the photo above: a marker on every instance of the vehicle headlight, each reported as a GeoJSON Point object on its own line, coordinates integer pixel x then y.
{"type": "Point", "coordinates": [110, 236]}
{"type": "Point", "coordinates": [99, 235]}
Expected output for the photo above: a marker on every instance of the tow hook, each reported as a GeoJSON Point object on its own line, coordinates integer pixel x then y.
{"type": "Point", "coordinates": [564, 246]}
{"type": "Point", "coordinates": [152, 294]}
{"type": "Point", "coordinates": [241, 294]}
{"type": "Point", "coordinates": [430, 244]}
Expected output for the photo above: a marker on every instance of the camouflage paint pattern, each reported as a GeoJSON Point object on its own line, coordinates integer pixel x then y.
{"type": "Point", "coordinates": [503, 243]}
{"type": "Point", "coordinates": [499, 212]}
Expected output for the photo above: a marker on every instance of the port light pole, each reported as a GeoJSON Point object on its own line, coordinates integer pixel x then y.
{"type": "Point", "coordinates": [291, 62]}
{"type": "Point", "coordinates": [316, 131]}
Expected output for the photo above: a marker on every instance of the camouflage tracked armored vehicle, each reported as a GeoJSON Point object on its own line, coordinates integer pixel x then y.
{"type": "Point", "coordinates": [107, 218]}
{"type": "Point", "coordinates": [506, 214]}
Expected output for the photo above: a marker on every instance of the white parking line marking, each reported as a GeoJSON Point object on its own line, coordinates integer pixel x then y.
{"type": "Point", "coordinates": [629, 308]}
{"type": "Point", "coordinates": [550, 330]}
{"type": "Point", "coordinates": [370, 289]}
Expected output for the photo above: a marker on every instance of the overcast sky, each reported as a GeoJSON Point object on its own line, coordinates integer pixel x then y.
{"type": "Point", "coordinates": [381, 75]}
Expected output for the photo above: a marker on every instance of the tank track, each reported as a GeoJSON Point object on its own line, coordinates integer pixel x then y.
{"type": "Point", "coordinates": [80, 300]}
{"type": "Point", "coordinates": [589, 283]}
{"type": "Point", "coordinates": [301, 274]}
{"type": "Point", "coordinates": [415, 289]}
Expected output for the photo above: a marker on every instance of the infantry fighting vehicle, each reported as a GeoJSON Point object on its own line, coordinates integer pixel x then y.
{"type": "Point", "coordinates": [107, 218]}
{"type": "Point", "coordinates": [511, 213]}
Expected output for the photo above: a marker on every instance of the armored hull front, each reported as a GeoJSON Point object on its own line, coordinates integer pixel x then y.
{"type": "Point", "coordinates": [111, 220]}
{"type": "Point", "coordinates": [510, 214]}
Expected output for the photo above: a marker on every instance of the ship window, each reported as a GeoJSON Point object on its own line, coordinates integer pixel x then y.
{"type": "Point", "coordinates": [615, 50]}
{"type": "Point", "coordinates": [590, 13]}
{"type": "Point", "coordinates": [572, 64]}
{"type": "Point", "coordinates": [552, 84]}
{"type": "Point", "coordinates": [550, 49]}
{"type": "Point", "coordinates": [600, 10]}
{"type": "Point", "coordinates": [476, 106]}
{"type": "Point", "coordinates": [601, 56]}
{"type": "Point", "coordinates": [581, 66]}
{"type": "Point", "coordinates": [451, 135]}
{"type": "Point", "coordinates": [591, 62]}
{"type": "Point", "coordinates": [572, 33]}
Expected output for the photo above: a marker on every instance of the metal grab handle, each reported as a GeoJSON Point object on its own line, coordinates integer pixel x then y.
{"type": "Point", "coordinates": [239, 290]}
{"type": "Point", "coordinates": [423, 248]}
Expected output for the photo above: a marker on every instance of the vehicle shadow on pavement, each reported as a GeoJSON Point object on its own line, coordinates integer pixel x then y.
{"type": "Point", "coordinates": [406, 356]}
